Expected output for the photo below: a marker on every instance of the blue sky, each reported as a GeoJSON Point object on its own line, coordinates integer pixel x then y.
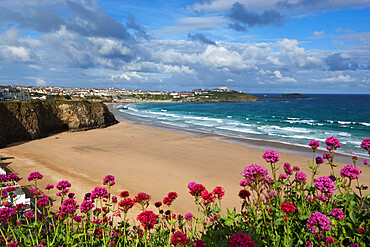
{"type": "Point", "coordinates": [257, 46]}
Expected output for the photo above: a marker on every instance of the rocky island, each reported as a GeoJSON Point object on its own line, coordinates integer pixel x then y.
{"type": "Point", "coordinates": [21, 121]}
{"type": "Point", "coordinates": [222, 96]}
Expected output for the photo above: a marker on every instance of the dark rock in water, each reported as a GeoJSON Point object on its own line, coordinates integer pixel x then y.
{"type": "Point", "coordinates": [20, 121]}
{"type": "Point", "coordinates": [285, 96]}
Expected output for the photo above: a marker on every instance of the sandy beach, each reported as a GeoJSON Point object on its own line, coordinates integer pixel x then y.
{"type": "Point", "coordinates": [143, 159]}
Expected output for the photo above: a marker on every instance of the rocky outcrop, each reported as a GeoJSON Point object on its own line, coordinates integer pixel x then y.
{"type": "Point", "coordinates": [20, 121]}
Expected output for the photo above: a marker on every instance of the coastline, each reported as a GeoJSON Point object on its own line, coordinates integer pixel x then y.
{"type": "Point", "coordinates": [145, 159]}
{"type": "Point", "coordinates": [260, 144]}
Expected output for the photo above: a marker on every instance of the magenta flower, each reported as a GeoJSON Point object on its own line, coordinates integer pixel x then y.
{"type": "Point", "coordinates": [327, 156]}
{"type": "Point", "coordinates": [337, 214]}
{"type": "Point", "coordinates": [13, 177]}
{"type": "Point", "coordinates": [301, 177]}
{"type": "Point", "coordinates": [287, 169]}
{"type": "Point", "coordinates": [319, 160]}
{"type": "Point", "coordinates": [86, 206]}
{"type": "Point", "coordinates": [243, 183]}
{"type": "Point", "coordinates": [325, 185]}
{"type": "Point", "coordinates": [330, 240]}
{"type": "Point", "coordinates": [109, 180]}
{"type": "Point", "coordinates": [314, 144]}
{"type": "Point", "coordinates": [197, 190]}
{"type": "Point", "coordinates": [29, 214]}
{"type": "Point", "coordinates": [364, 162]}
{"type": "Point", "coordinates": [271, 156]}
{"type": "Point", "coordinates": [61, 185]}
{"type": "Point", "coordinates": [49, 187]}
{"type": "Point", "coordinates": [36, 192]}
{"type": "Point", "coordinates": [191, 184]}
{"type": "Point", "coordinates": [283, 176]}
{"type": "Point", "coordinates": [318, 222]}
{"type": "Point", "coordinates": [332, 143]}
{"type": "Point", "coordinates": [296, 168]}
{"type": "Point", "coordinates": [366, 144]}
{"type": "Point", "coordinates": [188, 216]}
{"type": "Point", "coordinates": [44, 201]}
{"type": "Point", "coordinates": [148, 219]}
{"type": "Point", "coordinates": [241, 239]}
{"type": "Point", "coordinates": [100, 193]}
{"type": "Point", "coordinates": [351, 172]}
{"type": "Point", "coordinates": [34, 176]}
{"type": "Point", "coordinates": [179, 239]}
{"type": "Point", "coordinates": [69, 206]}
{"type": "Point", "coordinates": [126, 204]}
{"type": "Point", "coordinates": [254, 173]}
{"type": "Point", "coordinates": [219, 192]}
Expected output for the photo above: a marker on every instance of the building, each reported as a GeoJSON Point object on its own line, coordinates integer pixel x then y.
{"type": "Point", "coordinates": [223, 88]}
{"type": "Point", "coordinates": [12, 93]}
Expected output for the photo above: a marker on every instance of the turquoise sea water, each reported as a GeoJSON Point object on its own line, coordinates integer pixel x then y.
{"type": "Point", "coordinates": [295, 121]}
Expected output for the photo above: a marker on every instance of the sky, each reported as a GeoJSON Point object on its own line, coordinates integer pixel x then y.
{"type": "Point", "coordinates": [255, 46]}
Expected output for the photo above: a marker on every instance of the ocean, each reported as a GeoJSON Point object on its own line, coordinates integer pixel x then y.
{"type": "Point", "coordinates": [289, 121]}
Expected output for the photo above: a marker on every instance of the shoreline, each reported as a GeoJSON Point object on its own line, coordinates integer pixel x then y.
{"type": "Point", "coordinates": [285, 147]}
{"type": "Point", "coordinates": [144, 159]}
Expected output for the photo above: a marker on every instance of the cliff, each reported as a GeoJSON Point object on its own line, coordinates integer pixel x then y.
{"type": "Point", "coordinates": [20, 121]}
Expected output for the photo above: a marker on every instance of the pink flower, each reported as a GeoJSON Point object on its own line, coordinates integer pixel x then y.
{"type": "Point", "coordinates": [99, 192]}
{"type": "Point", "coordinates": [44, 201]}
{"type": "Point", "coordinates": [243, 183]}
{"type": "Point", "coordinates": [191, 184]}
{"type": "Point", "coordinates": [142, 198]}
{"type": "Point", "coordinates": [314, 144]}
{"type": "Point", "coordinates": [208, 197]}
{"type": "Point", "coordinates": [271, 156]}
{"type": "Point", "coordinates": [109, 180]}
{"type": "Point", "coordinates": [147, 219]}
{"type": "Point", "coordinates": [283, 176]}
{"type": "Point", "coordinates": [337, 214]}
{"type": "Point", "coordinates": [287, 169]}
{"type": "Point", "coordinates": [327, 156]}
{"type": "Point", "coordinates": [36, 192]}
{"type": "Point", "coordinates": [301, 177]}
{"type": "Point", "coordinates": [49, 187]}
{"type": "Point", "coordinates": [69, 206]}
{"type": "Point", "coordinates": [288, 208]}
{"type": "Point", "coordinates": [319, 160]}
{"type": "Point", "coordinates": [13, 177]}
{"type": "Point", "coordinates": [318, 222]}
{"type": "Point", "coordinates": [241, 239]}
{"type": "Point", "coordinates": [332, 143]}
{"type": "Point", "coordinates": [34, 176]}
{"type": "Point", "coordinates": [219, 192]}
{"type": "Point", "coordinates": [325, 185]}
{"type": "Point", "coordinates": [199, 243]}
{"type": "Point", "coordinates": [86, 206]}
{"type": "Point", "coordinates": [361, 229]}
{"type": "Point", "coordinates": [126, 204]}
{"type": "Point", "coordinates": [296, 168]}
{"type": "Point", "coordinates": [364, 162]}
{"type": "Point", "coordinates": [366, 144]}
{"type": "Point", "coordinates": [254, 174]}
{"type": "Point", "coordinates": [61, 185]}
{"type": "Point", "coordinates": [179, 239]}
{"type": "Point", "coordinates": [188, 216]}
{"type": "Point", "coordinates": [351, 172]}
{"type": "Point", "coordinates": [124, 194]}
{"type": "Point", "coordinates": [172, 195]}
{"type": "Point", "coordinates": [197, 190]}
{"type": "Point", "coordinates": [330, 240]}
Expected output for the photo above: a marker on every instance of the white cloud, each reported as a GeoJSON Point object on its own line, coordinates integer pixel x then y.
{"type": "Point", "coordinates": [339, 78]}
{"type": "Point", "coordinates": [282, 78]}
{"type": "Point", "coordinates": [40, 82]}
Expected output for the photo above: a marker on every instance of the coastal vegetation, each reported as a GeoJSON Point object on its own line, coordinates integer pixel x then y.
{"type": "Point", "coordinates": [280, 206]}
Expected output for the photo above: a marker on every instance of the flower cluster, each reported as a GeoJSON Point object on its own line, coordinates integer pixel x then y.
{"type": "Point", "coordinates": [126, 204]}
{"type": "Point", "coordinates": [109, 180]}
{"type": "Point", "coordinates": [337, 214]}
{"type": "Point", "coordinates": [319, 160]}
{"type": "Point", "coordinates": [219, 192]}
{"type": "Point", "coordinates": [61, 185]}
{"type": "Point", "coordinates": [271, 156]}
{"type": "Point", "coordinates": [325, 185]}
{"type": "Point", "coordinates": [196, 190]}
{"type": "Point", "coordinates": [241, 239]}
{"type": "Point", "coordinates": [332, 143]}
{"type": "Point", "coordinates": [99, 193]}
{"type": "Point", "coordinates": [86, 206]}
{"type": "Point", "coordinates": [243, 194]}
{"type": "Point", "coordinates": [314, 144]}
{"type": "Point", "coordinates": [44, 201]}
{"type": "Point", "coordinates": [171, 196]}
{"type": "Point", "coordinates": [301, 177]}
{"type": "Point", "coordinates": [254, 173]}
{"type": "Point", "coordinates": [34, 176]}
{"type": "Point", "coordinates": [179, 239]}
{"type": "Point", "coordinates": [147, 219]}
{"type": "Point", "coordinates": [288, 208]}
{"type": "Point", "coordinates": [327, 156]}
{"type": "Point", "coordinates": [366, 144]}
{"type": "Point", "coordinates": [208, 197]}
{"type": "Point", "coordinates": [318, 222]}
{"type": "Point", "coordinates": [351, 172]}
{"type": "Point", "coordinates": [69, 206]}
{"type": "Point", "coordinates": [287, 169]}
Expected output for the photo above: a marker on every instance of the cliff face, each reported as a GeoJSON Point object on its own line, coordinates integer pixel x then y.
{"type": "Point", "coordinates": [21, 121]}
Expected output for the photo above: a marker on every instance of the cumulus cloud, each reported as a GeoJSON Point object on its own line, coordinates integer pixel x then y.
{"type": "Point", "coordinates": [241, 17]}
{"type": "Point", "coordinates": [201, 38]}
{"type": "Point", "coordinates": [282, 78]}
{"type": "Point", "coordinates": [40, 82]}
{"type": "Point", "coordinates": [337, 61]}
